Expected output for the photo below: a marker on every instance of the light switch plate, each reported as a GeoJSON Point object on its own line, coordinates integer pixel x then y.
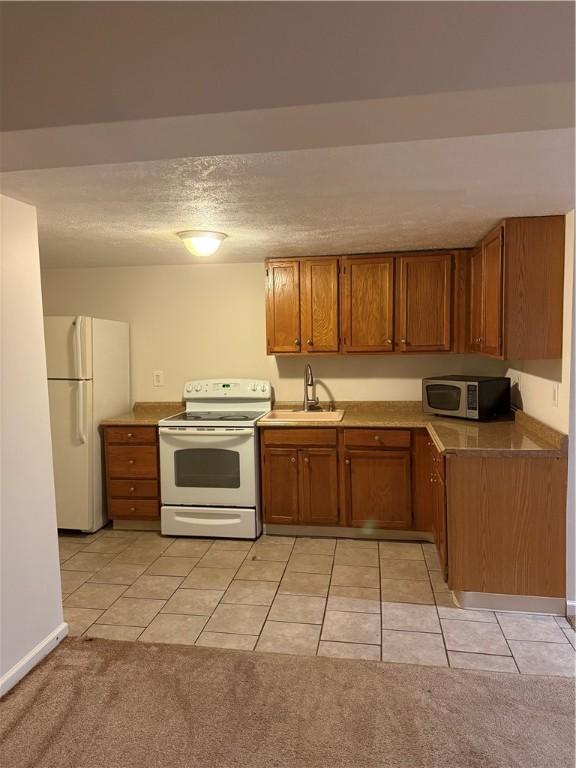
{"type": "Point", "coordinates": [158, 378]}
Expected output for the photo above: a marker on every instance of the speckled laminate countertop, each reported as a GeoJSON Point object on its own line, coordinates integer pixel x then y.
{"type": "Point", "coordinates": [521, 435]}
{"type": "Point", "coordinates": [146, 414]}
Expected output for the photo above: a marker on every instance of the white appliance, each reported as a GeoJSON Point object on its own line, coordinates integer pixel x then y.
{"type": "Point", "coordinates": [209, 460]}
{"type": "Point", "coordinates": [88, 363]}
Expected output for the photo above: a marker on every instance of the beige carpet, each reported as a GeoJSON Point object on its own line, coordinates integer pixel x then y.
{"type": "Point", "coordinates": [104, 704]}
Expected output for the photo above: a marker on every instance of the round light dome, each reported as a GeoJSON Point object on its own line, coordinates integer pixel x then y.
{"type": "Point", "coordinates": [201, 242]}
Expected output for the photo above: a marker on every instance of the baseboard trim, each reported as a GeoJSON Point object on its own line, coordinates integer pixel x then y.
{"type": "Point", "coordinates": [34, 657]}
{"type": "Point", "coordinates": [515, 603]}
{"type": "Point", "coordinates": [338, 531]}
{"type": "Point", "coordinates": [571, 608]}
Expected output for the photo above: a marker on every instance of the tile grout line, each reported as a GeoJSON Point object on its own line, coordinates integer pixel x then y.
{"type": "Point", "coordinates": [274, 598]}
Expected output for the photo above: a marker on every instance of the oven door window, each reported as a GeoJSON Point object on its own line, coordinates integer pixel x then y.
{"type": "Point", "coordinates": [206, 468]}
{"type": "Point", "coordinates": [443, 397]}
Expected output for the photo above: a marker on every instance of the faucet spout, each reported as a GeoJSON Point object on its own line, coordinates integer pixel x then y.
{"type": "Point", "coordinates": [309, 402]}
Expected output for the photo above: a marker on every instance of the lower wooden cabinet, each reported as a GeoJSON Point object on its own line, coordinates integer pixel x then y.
{"type": "Point", "coordinates": [300, 485]}
{"type": "Point", "coordinates": [377, 488]}
{"type": "Point", "coordinates": [131, 472]}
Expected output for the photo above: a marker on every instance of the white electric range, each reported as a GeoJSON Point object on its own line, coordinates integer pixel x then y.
{"type": "Point", "coordinates": [209, 460]}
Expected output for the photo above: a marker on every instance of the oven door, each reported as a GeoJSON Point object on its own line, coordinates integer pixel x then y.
{"type": "Point", "coordinates": [446, 398]}
{"type": "Point", "coordinates": [208, 466]}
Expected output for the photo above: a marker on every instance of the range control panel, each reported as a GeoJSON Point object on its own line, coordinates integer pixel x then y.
{"type": "Point", "coordinates": [235, 389]}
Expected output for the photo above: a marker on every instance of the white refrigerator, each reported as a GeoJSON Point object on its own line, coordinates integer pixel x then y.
{"type": "Point", "coordinates": [88, 363]}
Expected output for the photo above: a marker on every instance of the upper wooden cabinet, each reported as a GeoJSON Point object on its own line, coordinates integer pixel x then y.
{"type": "Point", "coordinates": [283, 306]}
{"type": "Point", "coordinates": [517, 280]}
{"type": "Point", "coordinates": [319, 305]}
{"type": "Point", "coordinates": [367, 304]}
{"type": "Point", "coordinates": [302, 306]}
{"type": "Point", "coordinates": [424, 302]}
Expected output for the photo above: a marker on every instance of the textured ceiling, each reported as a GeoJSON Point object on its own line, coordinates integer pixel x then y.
{"type": "Point", "coordinates": [422, 194]}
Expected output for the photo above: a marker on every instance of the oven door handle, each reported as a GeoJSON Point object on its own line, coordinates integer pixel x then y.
{"type": "Point", "coordinates": [180, 432]}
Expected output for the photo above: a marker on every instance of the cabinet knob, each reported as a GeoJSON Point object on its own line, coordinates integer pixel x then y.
{"type": "Point", "coordinates": [293, 460]}
{"type": "Point", "coordinates": [403, 341]}
{"type": "Point", "coordinates": [346, 461]}
{"type": "Point", "coordinates": [132, 509]}
{"type": "Point", "coordinates": [388, 341]}
{"type": "Point", "coordinates": [306, 459]}
{"type": "Point", "coordinates": [376, 437]}
{"type": "Point", "coordinates": [130, 461]}
{"type": "Point", "coordinates": [297, 341]}
{"type": "Point", "coordinates": [132, 490]}
{"type": "Point", "coordinates": [310, 342]}
{"type": "Point", "coordinates": [129, 434]}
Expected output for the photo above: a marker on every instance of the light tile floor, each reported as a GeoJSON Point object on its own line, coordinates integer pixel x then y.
{"type": "Point", "coordinates": [307, 596]}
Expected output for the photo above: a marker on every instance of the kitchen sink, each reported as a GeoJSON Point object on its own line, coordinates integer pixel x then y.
{"type": "Point", "coordinates": [303, 416]}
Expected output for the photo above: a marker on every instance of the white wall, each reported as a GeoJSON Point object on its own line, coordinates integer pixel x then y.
{"type": "Point", "coordinates": [31, 620]}
{"type": "Point", "coordinates": [537, 378]}
{"type": "Point", "coordinates": [204, 321]}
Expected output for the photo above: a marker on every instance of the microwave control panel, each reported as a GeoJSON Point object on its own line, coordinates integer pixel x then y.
{"type": "Point", "coordinates": [472, 398]}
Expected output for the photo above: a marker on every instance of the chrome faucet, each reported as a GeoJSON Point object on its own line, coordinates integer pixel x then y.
{"type": "Point", "coordinates": [309, 402]}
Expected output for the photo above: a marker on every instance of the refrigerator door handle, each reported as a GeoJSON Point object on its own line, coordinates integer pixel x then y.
{"type": "Point", "coordinates": [81, 412]}
{"type": "Point", "coordinates": [78, 347]}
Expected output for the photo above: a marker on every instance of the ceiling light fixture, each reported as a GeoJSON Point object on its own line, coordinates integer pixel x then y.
{"type": "Point", "coordinates": [201, 242]}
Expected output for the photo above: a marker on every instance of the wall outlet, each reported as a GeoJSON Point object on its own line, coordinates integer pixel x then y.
{"type": "Point", "coordinates": [555, 394]}
{"type": "Point", "coordinates": [157, 378]}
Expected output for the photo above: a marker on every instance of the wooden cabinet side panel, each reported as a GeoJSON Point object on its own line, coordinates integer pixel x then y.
{"type": "Point", "coordinates": [424, 305]}
{"type": "Point", "coordinates": [367, 314]}
{"type": "Point", "coordinates": [533, 287]}
{"type": "Point", "coordinates": [319, 305]}
{"type": "Point", "coordinates": [283, 307]}
{"type": "Point", "coordinates": [506, 525]}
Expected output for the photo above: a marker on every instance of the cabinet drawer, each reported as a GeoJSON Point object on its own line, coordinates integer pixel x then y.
{"type": "Point", "coordinates": [300, 437]}
{"type": "Point", "coordinates": [125, 509]}
{"type": "Point", "coordinates": [136, 489]}
{"type": "Point", "coordinates": [145, 435]}
{"type": "Point", "coordinates": [377, 438]}
{"type": "Point", "coordinates": [132, 461]}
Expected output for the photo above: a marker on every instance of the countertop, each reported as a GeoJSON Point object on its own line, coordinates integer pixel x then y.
{"type": "Point", "coordinates": [517, 436]}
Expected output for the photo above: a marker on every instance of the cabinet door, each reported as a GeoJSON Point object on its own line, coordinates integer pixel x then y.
{"type": "Point", "coordinates": [319, 486]}
{"type": "Point", "coordinates": [491, 337]}
{"type": "Point", "coordinates": [378, 489]}
{"type": "Point", "coordinates": [368, 304]}
{"type": "Point", "coordinates": [283, 307]}
{"type": "Point", "coordinates": [319, 305]}
{"type": "Point", "coordinates": [424, 302]}
{"type": "Point", "coordinates": [280, 495]}
{"type": "Point", "coordinates": [475, 301]}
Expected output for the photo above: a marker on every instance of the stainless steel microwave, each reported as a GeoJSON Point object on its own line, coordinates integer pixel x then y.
{"type": "Point", "coordinates": [468, 397]}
